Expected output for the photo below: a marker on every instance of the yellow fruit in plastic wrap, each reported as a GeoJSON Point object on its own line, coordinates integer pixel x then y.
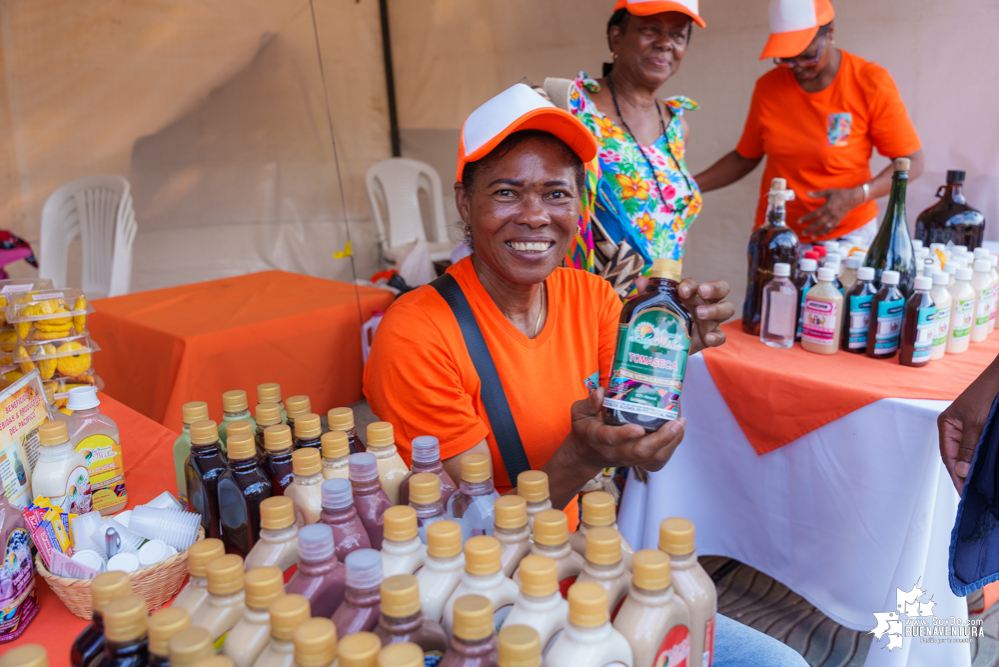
{"type": "Point", "coordinates": [72, 366]}
{"type": "Point", "coordinates": [80, 321]}
{"type": "Point", "coordinates": [24, 359]}
{"type": "Point", "coordinates": [41, 335]}
{"type": "Point", "coordinates": [47, 307]}
{"type": "Point", "coordinates": [47, 367]}
{"type": "Point", "coordinates": [12, 376]}
{"type": "Point", "coordinates": [4, 361]}
{"type": "Point", "coordinates": [60, 324]}
{"type": "Point", "coordinates": [8, 339]}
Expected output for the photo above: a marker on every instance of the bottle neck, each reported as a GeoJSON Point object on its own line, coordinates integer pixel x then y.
{"type": "Point", "coordinates": [434, 466]}
{"type": "Point", "coordinates": [776, 211]}
{"type": "Point", "coordinates": [337, 462]}
{"type": "Point", "coordinates": [205, 450]}
{"type": "Point", "coordinates": [340, 514]}
{"type": "Point", "coordinates": [234, 416]}
{"type": "Point", "coordinates": [367, 487]}
{"type": "Point", "coordinates": [473, 648]}
{"type": "Point", "coordinates": [243, 465]}
{"type": "Point", "coordinates": [955, 192]}
{"type": "Point", "coordinates": [363, 597]}
{"type": "Point", "coordinates": [279, 534]}
{"type": "Point", "coordinates": [382, 452]}
{"type": "Point", "coordinates": [89, 412]}
{"type": "Point", "coordinates": [894, 221]}
{"type": "Point", "coordinates": [477, 488]}
{"type": "Point", "coordinates": [428, 510]}
{"type": "Point", "coordinates": [512, 534]}
{"type": "Point", "coordinates": [279, 453]}
{"type": "Point", "coordinates": [315, 479]}
{"type": "Point", "coordinates": [125, 649]}
{"type": "Point", "coordinates": [662, 285]}
{"type": "Point", "coordinates": [401, 625]}
{"type": "Point", "coordinates": [317, 568]}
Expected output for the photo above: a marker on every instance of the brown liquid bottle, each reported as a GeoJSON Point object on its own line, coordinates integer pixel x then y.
{"type": "Point", "coordinates": [370, 500]}
{"type": "Point", "coordinates": [339, 514]}
{"type": "Point", "coordinates": [203, 470]}
{"type": "Point", "coordinates": [320, 576]}
{"type": "Point", "coordinates": [241, 490]}
{"type": "Point", "coordinates": [270, 392]}
{"type": "Point", "coordinates": [315, 643]}
{"type": "Point", "coordinates": [770, 243]}
{"type": "Point", "coordinates": [951, 220]}
{"type": "Point", "coordinates": [342, 419]}
{"type": "Point", "coordinates": [918, 325]}
{"type": "Point", "coordinates": [360, 649]}
{"type": "Point", "coordinates": [887, 309]}
{"type": "Point", "coordinates": [125, 640]}
{"type": "Point", "coordinates": [295, 407]}
{"type": "Point", "coordinates": [402, 619]}
{"type": "Point", "coordinates": [278, 450]}
{"type": "Point", "coordinates": [268, 414]}
{"type": "Point", "coordinates": [105, 588]}
{"type": "Point", "coordinates": [473, 637]}
{"type": "Point", "coordinates": [163, 625]}
{"type": "Point", "coordinates": [308, 430]}
{"type": "Point", "coordinates": [361, 603]}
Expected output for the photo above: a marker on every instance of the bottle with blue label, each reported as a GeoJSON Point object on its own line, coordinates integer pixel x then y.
{"type": "Point", "coordinates": [858, 311]}
{"type": "Point", "coordinates": [918, 325]}
{"type": "Point", "coordinates": [885, 327]}
{"type": "Point", "coordinates": [805, 281]}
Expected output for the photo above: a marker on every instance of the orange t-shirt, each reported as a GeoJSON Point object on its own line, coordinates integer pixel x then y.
{"type": "Point", "coordinates": [824, 140]}
{"type": "Point", "coordinates": [420, 377]}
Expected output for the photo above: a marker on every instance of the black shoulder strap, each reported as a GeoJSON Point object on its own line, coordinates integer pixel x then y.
{"type": "Point", "coordinates": [493, 397]}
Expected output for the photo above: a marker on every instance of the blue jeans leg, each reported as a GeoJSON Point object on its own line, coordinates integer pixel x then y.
{"type": "Point", "coordinates": [738, 645]}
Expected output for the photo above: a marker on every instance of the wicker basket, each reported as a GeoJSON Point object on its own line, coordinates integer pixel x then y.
{"type": "Point", "coordinates": [157, 583]}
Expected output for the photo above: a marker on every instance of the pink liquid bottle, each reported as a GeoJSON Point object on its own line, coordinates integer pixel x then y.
{"type": "Point", "coordinates": [427, 458]}
{"type": "Point", "coordinates": [362, 604]}
{"type": "Point", "coordinates": [370, 500]}
{"type": "Point", "coordinates": [339, 514]}
{"type": "Point", "coordinates": [320, 577]}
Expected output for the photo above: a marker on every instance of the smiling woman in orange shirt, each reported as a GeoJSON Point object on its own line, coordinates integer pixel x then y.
{"type": "Point", "coordinates": [817, 117]}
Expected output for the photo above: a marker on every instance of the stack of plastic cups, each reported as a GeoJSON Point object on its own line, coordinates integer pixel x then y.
{"type": "Point", "coordinates": [129, 543]}
{"type": "Point", "coordinates": [176, 528]}
{"type": "Point", "coordinates": [83, 526]}
{"type": "Point", "coordinates": [166, 501]}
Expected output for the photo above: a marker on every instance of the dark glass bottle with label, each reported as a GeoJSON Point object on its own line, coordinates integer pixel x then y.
{"type": "Point", "coordinates": [278, 450]}
{"type": "Point", "coordinates": [887, 309]}
{"type": "Point", "coordinates": [125, 637]}
{"type": "Point", "coordinates": [951, 220]}
{"type": "Point", "coordinates": [241, 490]}
{"type": "Point", "coordinates": [858, 311]}
{"type": "Point", "coordinates": [651, 356]}
{"type": "Point", "coordinates": [770, 243]}
{"type": "Point", "coordinates": [104, 588]}
{"type": "Point", "coordinates": [805, 281]}
{"type": "Point", "coordinates": [202, 472]}
{"type": "Point", "coordinates": [918, 325]}
{"type": "Point", "coordinates": [891, 249]}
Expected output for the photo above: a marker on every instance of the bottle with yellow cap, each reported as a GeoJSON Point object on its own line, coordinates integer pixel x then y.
{"type": "Point", "coordinates": [472, 505]}
{"type": "Point", "coordinates": [270, 392]}
{"type": "Point", "coordinates": [589, 640]}
{"type": "Point", "coordinates": [189, 645]}
{"type": "Point", "coordinates": [519, 646]}
{"type": "Point", "coordinates": [426, 454]}
{"type": "Point", "coordinates": [540, 604]}
{"type": "Point", "coordinates": [423, 491]}
{"type": "Point", "coordinates": [213, 661]}
{"type": "Point", "coordinates": [226, 598]}
{"type": "Point", "coordinates": [163, 625]}
{"type": "Point", "coordinates": [29, 655]}
{"type": "Point", "coordinates": [126, 641]}
{"type": "Point", "coordinates": [484, 576]}
{"type": "Point", "coordinates": [512, 530]}
{"type": "Point", "coordinates": [391, 468]}
{"type": "Point", "coordinates": [247, 639]}
{"type": "Point", "coordinates": [267, 414]}
{"type": "Point", "coordinates": [599, 509]}
{"type": "Point", "coordinates": [195, 411]}
{"type": "Point", "coordinates": [320, 577]}
{"type": "Point", "coordinates": [335, 448]}
{"type": "Point", "coordinates": [308, 430]}
{"type": "Point", "coordinates": [60, 474]}
{"type": "Point", "coordinates": [315, 643]}
{"type": "Point", "coordinates": [278, 543]}
{"type": "Point", "coordinates": [551, 538]}
{"type": "Point", "coordinates": [286, 614]}
{"type": "Point", "coordinates": [235, 408]}
{"type": "Point", "coordinates": [402, 619]}
{"type": "Point", "coordinates": [241, 490]}
{"type": "Point", "coordinates": [651, 356]}
{"type": "Point", "coordinates": [603, 564]}
{"type": "Point", "coordinates": [370, 500]}
{"type": "Point", "coordinates": [203, 470]}
{"type": "Point", "coordinates": [96, 437]}
{"type": "Point", "coordinates": [339, 514]}
{"type": "Point", "coordinates": [104, 588]}
{"type": "Point", "coordinates": [653, 619]}
{"type": "Point", "coordinates": [441, 573]}
{"type": "Point", "coordinates": [305, 489]}
{"type": "Point", "coordinates": [342, 419]}
{"type": "Point", "coordinates": [405, 654]}
{"type": "Point", "coordinates": [692, 585]}
{"type": "Point", "coordinates": [473, 637]}
{"type": "Point", "coordinates": [532, 486]}
{"type": "Point", "coordinates": [359, 649]}
{"type": "Point", "coordinates": [402, 550]}
{"type": "Point", "coordinates": [294, 407]}
{"type": "Point", "coordinates": [360, 608]}
{"type": "Point", "coordinates": [194, 594]}
{"type": "Point", "coordinates": [278, 450]}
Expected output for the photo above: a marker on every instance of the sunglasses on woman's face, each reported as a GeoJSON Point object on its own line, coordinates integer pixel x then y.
{"type": "Point", "coordinates": [799, 61]}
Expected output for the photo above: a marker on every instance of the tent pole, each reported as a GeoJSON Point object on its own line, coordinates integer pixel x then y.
{"type": "Point", "coordinates": [389, 79]}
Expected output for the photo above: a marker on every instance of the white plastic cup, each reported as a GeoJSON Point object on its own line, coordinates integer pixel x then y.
{"type": "Point", "coordinates": [178, 529]}
{"type": "Point", "coordinates": [83, 526]}
{"type": "Point", "coordinates": [90, 558]}
{"type": "Point", "coordinates": [123, 517]}
{"type": "Point", "coordinates": [153, 552]}
{"type": "Point", "coordinates": [129, 541]}
{"type": "Point", "coordinates": [165, 501]}
{"type": "Point", "coordinates": [123, 562]}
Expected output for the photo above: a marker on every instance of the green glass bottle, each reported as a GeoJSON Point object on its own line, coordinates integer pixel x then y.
{"type": "Point", "coordinates": [891, 249]}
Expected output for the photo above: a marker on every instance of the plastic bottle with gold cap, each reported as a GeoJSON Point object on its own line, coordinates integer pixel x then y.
{"type": "Point", "coordinates": [512, 530]}
{"type": "Point", "coordinates": [360, 649]}
{"type": "Point", "coordinates": [484, 576]}
{"type": "Point", "coordinates": [442, 571]}
{"type": "Point", "coordinates": [693, 585]}
{"type": "Point", "coordinates": [104, 588]}
{"type": "Point", "coordinates": [195, 411]}
{"type": "Point", "coordinates": [29, 655]}
{"type": "Point", "coordinates": [519, 646]}
{"type": "Point", "coordinates": [472, 505]}
{"type": "Point", "coordinates": [402, 550]}
{"type": "Point", "coordinates": [278, 543]}
{"type": "Point", "coordinates": [286, 614]}
{"type": "Point", "coordinates": [267, 414]}
{"type": "Point", "coordinates": [360, 608]}
{"type": "Point", "coordinates": [270, 392]}
{"type": "Point", "coordinates": [213, 661]}
{"type": "Point", "coordinates": [60, 474]}
{"type": "Point", "coordinates": [402, 619]}
{"type": "Point", "coordinates": [532, 486]}
{"type": "Point", "coordinates": [247, 639]}
{"type": "Point", "coordinates": [235, 408]}
{"type": "Point", "coordinates": [278, 450]}
{"type": "Point", "coordinates": [370, 500]}
{"type": "Point", "coordinates": [652, 344]}
{"type": "Point", "coordinates": [308, 430]}
{"type": "Point", "coordinates": [294, 407]}
{"type": "Point", "coordinates": [315, 643]}
{"type": "Point", "coordinates": [126, 642]}
{"type": "Point", "coordinates": [426, 455]}
{"type": "Point", "coordinates": [604, 566]}
{"type": "Point", "coordinates": [335, 448]}
{"type": "Point", "coordinates": [320, 577]}
{"type": "Point", "coordinates": [404, 654]}
{"type": "Point", "coordinates": [551, 538]}
{"type": "Point", "coordinates": [189, 645]}
{"type": "Point", "coordinates": [241, 490]}
{"type": "Point", "coordinates": [589, 640]}
{"type": "Point", "coordinates": [97, 438]}
{"type": "Point", "coordinates": [341, 516]}
{"type": "Point", "coordinates": [226, 598]}
{"type": "Point", "coordinates": [305, 489]}
{"type": "Point", "coordinates": [539, 604]}
{"type": "Point", "coordinates": [653, 619]}
{"type": "Point", "coordinates": [194, 594]}
{"type": "Point", "coordinates": [163, 625]}
{"type": "Point", "coordinates": [423, 491]}
{"type": "Point", "coordinates": [342, 419]}
{"type": "Point", "coordinates": [473, 638]}
{"type": "Point", "coordinates": [391, 468]}
{"type": "Point", "coordinates": [203, 470]}
{"type": "Point", "coordinates": [599, 509]}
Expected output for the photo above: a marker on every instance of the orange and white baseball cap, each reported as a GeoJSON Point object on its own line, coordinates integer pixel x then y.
{"type": "Point", "coordinates": [793, 26]}
{"type": "Point", "coordinates": [650, 7]}
{"type": "Point", "coordinates": [515, 109]}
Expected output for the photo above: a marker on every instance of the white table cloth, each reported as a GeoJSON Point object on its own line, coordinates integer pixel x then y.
{"type": "Point", "coordinates": [842, 516]}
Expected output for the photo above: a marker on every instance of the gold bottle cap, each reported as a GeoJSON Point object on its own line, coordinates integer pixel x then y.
{"type": "Point", "coordinates": [307, 426]}
{"type": "Point", "coordinates": [598, 509]}
{"type": "Point", "coordinates": [359, 650]}
{"type": "Point", "coordinates": [443, 539]}
{"type": "Point", "coordinates": [510, 512]}
{"type": "Point", "coordinates": [204, 432]}
{"type": "Point", "coordinates": [53, 433]}
{"type": "Point", "coordinates": [315, 643]}
{"type": "Point", "coordinates": [532, 486]}
{"type": "Point", "coordinates": [269, 392]}
{"type": "Point", "coordinates": [240, 446]}
{"type": "Point", "coordinates": [241, 427]}
{"type": "Point", "coordinates": [400, 596]}
{"type": "Point", "coordinates": [424, 488]}
{"type": "Point", "coordinates": [188, 645]}
{"type": "Point", "coordinates": [297, 405]}
{"type": "Point", "coordinates": [670, 269]}
{"type": "Point", "coordinates": [125, 618]}
{"type": "Point", "coordinates": [201, 553]}
{"type": "Point", "coordinates": [306, 461]}
{"type": "Point", "coordinates": [277, 437]}
{"type": "Point", "coordinates": [225, 575]}
{"type": "Point", "coordinates": [163, 625]}
{"type": "Point", "coordinates": [277, 512]}
{"type": "Point", "coordinates": [108, 586]}
{"type": "Point", "coordinates": [476, 468]}
{"type": "Point", "coordinates": [519, 646]}
{"type": "Point", "coordinates": [287, 613]}
{"type": "Point", "coordinates": [676, 536]}
{"type": "Point", "coordinates": [195, 411]}
{"type": "Point", "coordinates": [473, 617]}
{"type": "Point", "coordinates": [340, 419]}
{"type": "Point", "coordinates": [235, 401]}
{"type": "Point", "coordinates": [650, 570]}
{"type": "Point", "coordinates": [214, 661]}
{"type": "Point", "coordinates": [901, 164]}
{"type": "Point", "coordinates": [588, 604]}
{"type": "Point", "coordinates": [603, 546]}
{"type": "Point", "coordinates": [482, 555]}
{"type": "Point", "coordinates": [400, 523]}
{"type": "Point", "coordinates": [268, 414]}
{"type": "Point", "coordinates": [263, 585]}
{"type": "Point", "coordinates": [380, 434]}
{"type": "Point", "coordinates": [551, 528]}
{"type": "Point", "coordinates": [31, 655]}
{"type": "Point", "coordinates": [334, 444]}
{"type": "Point", "coordinates": [403, 654]}
{"type": "Point", "coordinates": [538, 575]}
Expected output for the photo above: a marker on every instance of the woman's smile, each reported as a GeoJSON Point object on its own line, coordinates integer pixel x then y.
{"type": "Point", "coordinates": [535, 247]}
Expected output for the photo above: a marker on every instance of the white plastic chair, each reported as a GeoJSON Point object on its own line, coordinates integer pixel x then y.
{"type": "Point", "coordinates": [393, 186]}
{"type": "Point", "coordinates": [99, 210]}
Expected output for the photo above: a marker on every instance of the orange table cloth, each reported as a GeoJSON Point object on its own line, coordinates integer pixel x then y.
{"type": "Point", "coordinates": [166, 347]}
{"type": "Point", "coordinates": [147, 448]}
{"type": "Point", "coordinates": [778, 395]}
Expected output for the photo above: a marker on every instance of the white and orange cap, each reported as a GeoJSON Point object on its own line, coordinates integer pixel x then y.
{"type": "Point", "coordinates": [650, 7]}
{"type": "Point", "coordinates": [515, 109]}
{"type": "Point", "coordinates": [793, 26]}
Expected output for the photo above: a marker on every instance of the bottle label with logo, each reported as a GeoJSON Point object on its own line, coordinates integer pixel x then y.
{"type": "Point", "coordinates": [860, 320]}
{"type": "Point", "coordinates": [925, 328]}
{"type": "Point", "coordinates": [993, 303]}
{"type": "Point", "coordinates": [709, 643]}
{"type": "Point", "coordinates": [982, 310]}
{"type": "Point", "coordinates": [942, 320]}
{"type": "Point", "coordinates": [432, 658]}
{"type": "Point", "coordinates": [18, 596]}
{"type": "Point", "coordinates": [649, 364]}
{"type": "Point", "coordinates": [889, 326]}
{"type": "Point", "coordinates": [77, 498]}
{"type": "Point", "coordinates": [964, 312]}
{"type": "Point", "coordinates": [819, 322]}
{"type": "Point", "coordinates": [107, 471]}
{"type": "Point", "coordinates": [675, 649]}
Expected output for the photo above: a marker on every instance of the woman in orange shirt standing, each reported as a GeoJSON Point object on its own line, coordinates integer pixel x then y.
{"type": "Point", "coordinates": [817, 117]}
